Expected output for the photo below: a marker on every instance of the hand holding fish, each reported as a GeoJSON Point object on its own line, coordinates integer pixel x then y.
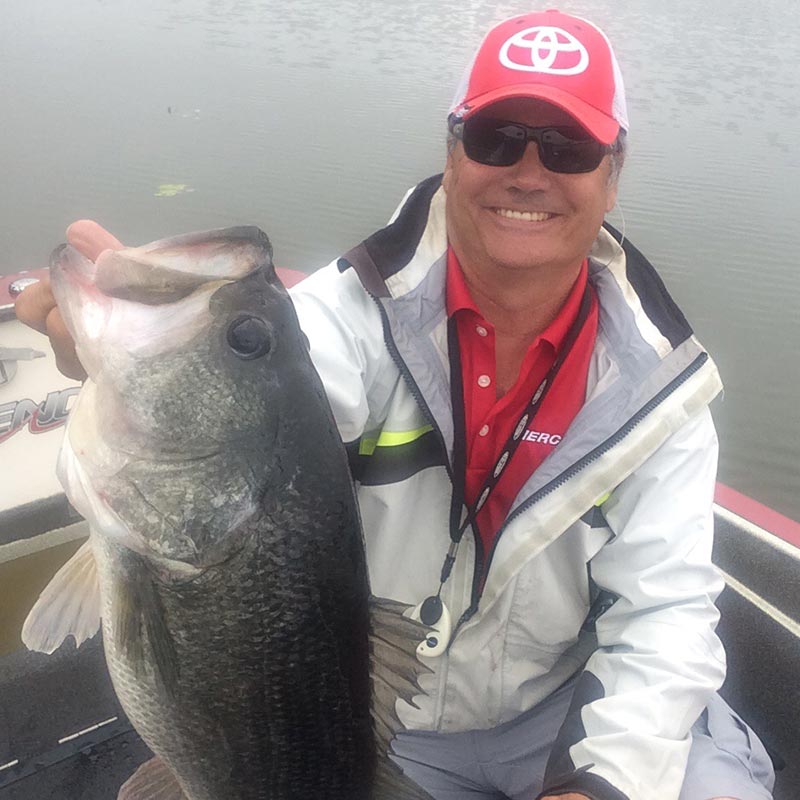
{"type": "Point", "coordinates": [37, 307]}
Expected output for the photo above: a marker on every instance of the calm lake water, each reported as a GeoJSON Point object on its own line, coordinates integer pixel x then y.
{"type": "Point", "coordinates": [310, 120]}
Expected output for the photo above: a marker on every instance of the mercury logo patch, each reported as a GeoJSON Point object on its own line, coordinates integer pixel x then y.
{"type": "Point", "coordinates": [542, 438]}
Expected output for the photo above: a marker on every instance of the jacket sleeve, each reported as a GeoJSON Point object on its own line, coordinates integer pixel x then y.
{"type": "Point", "coordinates": [346, 344]}
{"type": "Point", "coordinates": [627, 732]}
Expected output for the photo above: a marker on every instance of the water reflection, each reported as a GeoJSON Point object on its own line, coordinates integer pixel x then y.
{"type": "Point", "coordinates": [314, 118]}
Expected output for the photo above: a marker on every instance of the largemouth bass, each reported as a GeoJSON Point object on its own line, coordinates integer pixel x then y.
{"type": "Point", "coordinates": [226, 558]}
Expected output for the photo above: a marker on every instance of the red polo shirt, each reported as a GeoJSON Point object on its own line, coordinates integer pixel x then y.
{"type": "Point", "coordinates": [488, 420]}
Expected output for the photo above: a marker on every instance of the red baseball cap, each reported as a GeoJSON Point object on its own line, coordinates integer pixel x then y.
{"type": "Point", "coordinates": [564, 60]}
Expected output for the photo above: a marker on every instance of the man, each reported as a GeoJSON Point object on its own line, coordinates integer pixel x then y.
{"type": "Point", "coordinates": [526, 411]}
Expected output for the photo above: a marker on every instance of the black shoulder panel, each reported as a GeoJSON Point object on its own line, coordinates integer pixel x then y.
{"type": "Point", "coordinates": [388, 250]}
{"type": "Point", "coordinates": [392, 247]}
{"type": "Point", "coordinates": [655, 299]}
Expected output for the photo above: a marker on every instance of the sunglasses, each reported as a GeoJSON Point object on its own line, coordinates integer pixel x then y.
{"type": "Point", "coordinates": [497, 143]}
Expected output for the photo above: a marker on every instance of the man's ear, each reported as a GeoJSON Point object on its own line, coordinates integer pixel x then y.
{"type": "Point", "coordinates": [448, 172]}
{"type": "Point", "coordinates": [611, 196]}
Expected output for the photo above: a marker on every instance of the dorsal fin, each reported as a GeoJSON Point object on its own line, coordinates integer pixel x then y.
{"type": "Point", "coordinates": [395, 670]}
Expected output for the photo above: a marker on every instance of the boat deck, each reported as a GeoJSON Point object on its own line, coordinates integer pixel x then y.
{"type": "Point", "coordinates": [63, 734]}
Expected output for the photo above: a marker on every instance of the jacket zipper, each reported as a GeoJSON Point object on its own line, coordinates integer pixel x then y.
{"type": "Point", "coordinates": [423, 405]}
{"type": "Point", "coordinates": [557, 482]}
{"type": "Point", "coordinates": [571, 471]}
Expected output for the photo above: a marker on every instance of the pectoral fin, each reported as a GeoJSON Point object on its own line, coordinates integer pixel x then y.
{"type": "Point", "coordinates": [138, 614]}
{"type": "Point", "coordinates": [68, 605]}
{"type": "Point", "coordinates": [152, 781]}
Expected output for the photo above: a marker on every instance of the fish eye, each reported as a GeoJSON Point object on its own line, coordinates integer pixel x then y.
{"type": "Point", "coordinates": [250, 337]}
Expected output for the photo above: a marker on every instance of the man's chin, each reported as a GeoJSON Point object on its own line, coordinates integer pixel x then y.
{"type": "Point", "coordinates": [518, 260]}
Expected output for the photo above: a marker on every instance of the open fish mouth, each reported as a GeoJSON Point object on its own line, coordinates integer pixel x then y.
{"type": "Point", "coordinates": [168, 269]}
{"type": "Point", "coordinates": [160, 291]}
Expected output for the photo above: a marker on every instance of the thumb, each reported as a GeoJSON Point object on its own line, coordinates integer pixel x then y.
{"type": "Point", "coordinates": [90, 238]}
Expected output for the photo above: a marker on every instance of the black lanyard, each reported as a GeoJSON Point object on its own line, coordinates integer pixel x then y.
{"type": "Point", "coordinates": [458, 526]}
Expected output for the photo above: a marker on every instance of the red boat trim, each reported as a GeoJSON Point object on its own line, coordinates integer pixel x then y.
{"type": "Point", "coordinates": [289, 277]}
{"type": "Point", "coordinates": [6, 298]}
{"type": "Point", "coordinates": [764, 517]}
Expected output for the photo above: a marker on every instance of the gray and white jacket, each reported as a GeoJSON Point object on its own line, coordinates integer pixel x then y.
{"type": "Point", "coordinates": [603, 565]}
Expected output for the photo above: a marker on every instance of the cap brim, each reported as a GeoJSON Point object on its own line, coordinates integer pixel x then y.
{"type": "Point", "coordinates": [599, 124]}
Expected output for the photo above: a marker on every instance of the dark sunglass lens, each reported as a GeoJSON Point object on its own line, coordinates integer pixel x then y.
{"type": "Point", "coordinates": [569, 151]}
{"type": "Point", "coordinates": [494, 143]}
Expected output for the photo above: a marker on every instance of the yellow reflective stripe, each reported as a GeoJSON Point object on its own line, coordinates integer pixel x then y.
{"type": "Point", "coordinates": [603, 499]}
{"type": "Point", "coordinates": [366, 447]}
{"type": "Point", "coordinates": [395, 438]}
{"type": "Point", "coordinates": [392, 439]}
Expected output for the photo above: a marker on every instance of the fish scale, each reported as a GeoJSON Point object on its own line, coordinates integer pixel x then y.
{"type": "Point", "coordinates": [292, 700]}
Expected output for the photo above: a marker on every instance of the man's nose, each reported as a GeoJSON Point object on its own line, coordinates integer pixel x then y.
{"type": "Point", "coordinates": [529, 173]}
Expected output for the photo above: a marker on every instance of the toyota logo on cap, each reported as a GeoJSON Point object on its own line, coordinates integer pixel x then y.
{"type": "Point", "coordinates": [551, 51]}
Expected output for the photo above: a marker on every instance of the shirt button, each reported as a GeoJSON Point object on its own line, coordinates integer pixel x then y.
{"type": "Point", "coordinates": [484, 381]}
{"type": "Point", "coordinates": [483, 431]}
{"type": "Point", "coordinates": [481, 331]}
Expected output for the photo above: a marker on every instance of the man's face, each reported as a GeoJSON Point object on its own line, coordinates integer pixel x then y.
{"type": "Point", "coordinates": [567, 210]}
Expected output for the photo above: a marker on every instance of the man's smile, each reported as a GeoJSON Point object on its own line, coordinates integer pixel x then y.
{"type": "Point", "coordinates": [527, 216]}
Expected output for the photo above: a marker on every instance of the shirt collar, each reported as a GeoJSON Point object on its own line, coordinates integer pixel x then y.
{"type": "Point", "coordinates": [458, 294]}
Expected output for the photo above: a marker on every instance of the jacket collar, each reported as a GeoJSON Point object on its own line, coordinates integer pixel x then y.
{"type": "Point", "coordinates": [647, 370]}
{"type": "Point", "coordinates": [397, 258]}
